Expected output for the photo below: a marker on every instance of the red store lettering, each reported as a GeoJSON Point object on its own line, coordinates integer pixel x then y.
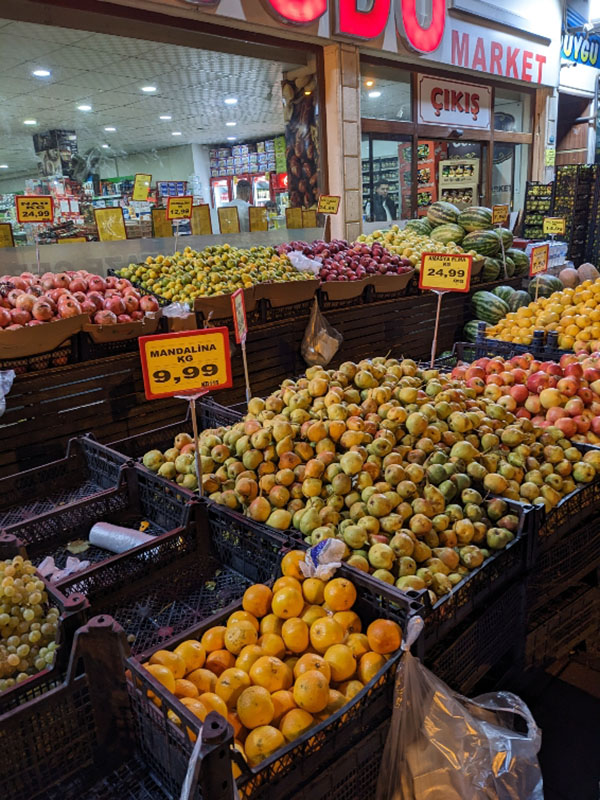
{"type": "Point", "coordinates": [510, 62]}
{"type": "Point", "coordinates": [452, 100]}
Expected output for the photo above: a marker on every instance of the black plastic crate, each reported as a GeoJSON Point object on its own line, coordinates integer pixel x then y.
{"type": "Point", "coordinates": [484, 346]}
{"type": "Point", "coordinates": [67, 353]}
{"type": "Point", "coordinates": [271, 313]}
{"type": "Point", "coordinates": [462, 352]}
{"type": "Point", "coordinates": [327, 303]}
{"type": "Point", "coordinates": [87, 469]}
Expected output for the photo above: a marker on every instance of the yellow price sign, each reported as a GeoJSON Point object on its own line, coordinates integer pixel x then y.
{"type": "Point", "coordinates": [538, 260]}
{"type": "Point", "coordinates": [328, 204]}
{"type": "Point", "coordinates": [201, 222]}
{"type": "Point", "coordinates": [229, 219]}
{"type": "Point", "coordinates": [72, 240]}
{"type": "Point", "coordinates": [179, 207]}
{"type": "Point", "coordinates": [111, 224]}
{"type": "Point", "coordinates": [555, 225]}
{"type": "Point", "coordinates": [309, 218]}
{"type": "Point", "coordinates": [500, 215]}
{"type": "Point", "coordinates": [34, 208]}
{"type": "Point", "coordinates": [161, 226]}
{"type": "Point", "coordinates": [141, 187]}
{"type": "Point", "coordinates": [294, 218]}
{"type": "Point", "coordinates": [6, 235]}
{"type": "Point", "coordinates": [257, 216]}
{"type": "Point", "coordinates": [185, 363]}
{"type": "Point", "coordinates": [445, 273]}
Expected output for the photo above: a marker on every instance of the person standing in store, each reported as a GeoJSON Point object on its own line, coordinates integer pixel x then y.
{"type": "Point", "coordinates": [243, 195]}
{"type": "Point", "coordinates": [383, 208]}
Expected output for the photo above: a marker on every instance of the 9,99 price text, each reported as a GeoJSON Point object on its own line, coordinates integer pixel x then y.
{"type": "Point", "coordinates": [188, 373]}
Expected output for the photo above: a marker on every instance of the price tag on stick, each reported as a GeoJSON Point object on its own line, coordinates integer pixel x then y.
{"type": "Point", "coordinates": [538, 262]}
{"type": "Point", "coordinates": [443, 273]}
{"type": "Point", "coordinates": [500, 215]}
{"type": "Point", "coordinates": [554, 226]}
{"type": "Point", "coordinates": [238, 305]}
{"type": "Point", "coordinates": [35, 209]}
{"type": "Point", "coordinates": [179, 208]}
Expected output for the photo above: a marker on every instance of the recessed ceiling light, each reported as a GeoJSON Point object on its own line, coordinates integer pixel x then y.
{"type": "Point", "coordinates": [105, 146]}
{"type": "Point", "coordinates": [369, 83]}
{"type": "Point", "coordinates": [165, 116]}
{"type": "Point", "coordinates": [84, 108]}
{"type": "Point", "coordinates": [231, 124]}
{"type": "Point", "coordinates": [230, 101]}
{"type": "Point", "coordinates": [374, 94]}
{"type": "Point", "coordinates": [231, 138]}
{"type": "Point", "coordinates": [176, 133]}
{"type": "Point", "coordinates": [3, 166]}
{"type": "Point", "coordinates": [148, 89]}
{"type": "Point", "coordinates": [41, 73]}
{"type": "Point", "coordinates": [29, 122]}
{"type": "Point", "coordinates": [110, 129]}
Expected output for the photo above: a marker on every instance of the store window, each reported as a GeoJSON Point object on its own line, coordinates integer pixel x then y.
{"type": "Point", "coordinates": [385, 93]}
{"type": "Point", "coordinates": [386, 178]}
{"type": "Point", "coordinates": [510, 168]}
{"type": "Point", "coordinates": [88, 112]}
{"type": "Point", "coordinates": [512, 111]}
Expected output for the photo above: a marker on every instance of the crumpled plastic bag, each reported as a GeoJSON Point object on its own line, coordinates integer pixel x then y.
{"type": "Point", "coordinates": [304, 264]}
{"type": "Point", "coordinates": [6, 381]}
{"type": "Point", "coordinates": [51, 572]}
{"type": "Point", "coordinates": [322, 560]}
{"type": "Point", "coordinates": [321, 342]}
{"type": "Point", "coordinates": [443, 746]}
{"type": "Point", "coordinates": [176, 310]}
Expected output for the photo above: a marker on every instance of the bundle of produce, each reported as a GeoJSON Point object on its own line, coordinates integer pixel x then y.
{"type": "Point", "coordinates": [287, 660]}
{"type": "Point", "coordinates": [565, 396]}
{"type": "Point", "coordinates": [344, 262]}
{"type": "Point", "coordinates": [393, 460]}
{"type": "Point", "coordinates": [216, 270]}
{"type": "Point", "coordinates": [27, 625]}
{"type": "Point", "coordinates": [574, 313]}
{"type": "Point", "coordinates": [28, 299]}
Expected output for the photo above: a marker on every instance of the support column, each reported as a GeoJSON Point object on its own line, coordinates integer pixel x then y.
{"type": "Point", "coordinates": [544, 133]}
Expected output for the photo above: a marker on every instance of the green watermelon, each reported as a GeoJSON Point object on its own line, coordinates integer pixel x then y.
{"type": "Point", "coordinates": [506, 237]}
{"type": "Point", "coordinates": [441, 213]}
{"type": "Point", "coordinates": [486, 243]}
{"type": "Point", "coordinates": [491, 270]}
{"type": "Point", "coordinates": [510, 266]}
{"type": "Point", "coordinates": [422, 226]}
{"type": "Point", "coordinates": [504, 293]}
{"type": "Point", "coordinates": [518, 299]}
{"type": "Point", "coordinates": [489, 307]}
{"type": "Point", "coordinates": [520, 259]}
{"type": "Point", "coordinates": [476, 218]}
{"type": "Point", "coordinates": [471, 328]}
{"type": "Point", "coordinates": [444, 234]}
{"type": "Point", "coordinates": [548, 285]}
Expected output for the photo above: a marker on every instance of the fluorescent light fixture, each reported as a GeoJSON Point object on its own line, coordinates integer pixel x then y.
{"type": "Point", "coordinates": [41, 73]}
{"type": "Point", "coordinates": [148, 89]}
{"type": "Point", "coordinates": [374, 94]}
{"type": "Point", "coordinates": [231, 138]}
{"type": "Point", "coordinates": [84, 107]}
{"type": "Point", "coordinates": [110, 129]}
{"type": "Point", "coordinates": [165, 116]}
{"type": "Point", "coordinates": [29, 122]}
{"type": "Point", "coordinates": [3, 166]}
{"type": "Point", "coordinates": [230, 101]}
{"type": "Point", "coordinates": [176, 133]}
{"type": "Point", "coordinates": [231, 124]}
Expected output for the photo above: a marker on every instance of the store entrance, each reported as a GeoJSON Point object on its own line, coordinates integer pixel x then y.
{"type": "Point", "coordinates": [453, 171]}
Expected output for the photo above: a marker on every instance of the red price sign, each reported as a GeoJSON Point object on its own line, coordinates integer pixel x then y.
{"type": "Point", "coordinates": [538, 260]}
{"type": "Point", "coordinates": [238, 304]}
{"type": "Point", "coordinates": [445, 273]}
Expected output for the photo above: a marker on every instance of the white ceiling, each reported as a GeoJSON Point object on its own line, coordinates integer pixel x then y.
{"type": "Point", "coordinates": [107, 72]}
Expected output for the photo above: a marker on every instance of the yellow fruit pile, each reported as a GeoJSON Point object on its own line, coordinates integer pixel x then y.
{"type": "Point", "coordinates": [409, 244]}
{"type": "Point", "coordinates": [289, 659]}
{"type": "Point", "coordinates": [213, 271]}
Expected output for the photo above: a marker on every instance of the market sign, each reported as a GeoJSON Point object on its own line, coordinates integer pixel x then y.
{"type": "Point", "coordinates": [581, 47]}
{"type": "Point", "coordinates": [449, 102]}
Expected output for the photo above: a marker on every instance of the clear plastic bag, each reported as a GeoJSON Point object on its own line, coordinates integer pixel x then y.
{"type": "Point", "coordinates": [303, 263]}
{"type": "Point", "coordinates": [6, 381]}
{"type": "Point", "coordinates": [321, 342]}
{"type": "Point", "coordinates": [443, 746]}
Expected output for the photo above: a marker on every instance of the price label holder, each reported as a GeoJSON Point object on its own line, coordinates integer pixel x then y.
{"type": "Point", "coordinates": [257, 217]}
{"type": "Point", "coordinates": [538, 262]}
{"type": "Point", "coordinates": [201, 223]}
{"type": "Point", "coordinates": [111, 224]}
{"type": "Point", "coordinates": [309, 218]}
{"type": "Point", "coordinates": [229, 219]}
{"type": "Point", "coordinates": [6, 235]}
{"type": "Point", "coordinates": [186, 365]}
{"type": "Point", "coordinates": [238, 305]}
{"type": "Point", "coordinates": [329, 204]}
{"type": "Point", "coordinates": [293, 218]}
{"type": "Point", "coordinates": [141, 187]}
{"type": "Point", "coordinates": [36, 209]}
{"type": "Point", "coordinates": [161, 226]}
{"type": "Point", "coordinates": [441, 273]}
{"type": "Point", "coordinates": [554, 226]}
{"type": "Point", "coordinates": [500, 216]}
{"type": "Point", "coordinates": [179, 208]}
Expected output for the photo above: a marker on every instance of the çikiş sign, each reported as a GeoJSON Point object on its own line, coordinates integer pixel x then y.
{"type": "Point", "coordinates": [443, 102]}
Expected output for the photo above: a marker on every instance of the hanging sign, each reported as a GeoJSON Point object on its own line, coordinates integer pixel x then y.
{"type": "Point", "coordinates": [293, 218]}
{"type": "Point", "coordinates": [179, 207]}
{"type": "Point", "coordinates": [328, 204]}
{"type": "Point", "coordinates": [538, 260]}
{"type": "Point", "coordinates": [257, 216]}
{"type": "Point", "coordinates": [161, 226]}
{"type": "Point", "coordinates": [185, 362]}
{"type": "Point", "coordinates": [450, 102]}
{"type": "Point", "coordinates": [229, 219]}
{"type": "Point", "coordinates": [34, 208]}
{"type": "Point", "coordinates": [500, 215]}
{"type": "Point", "coordinates": [6, 235]}
{"type": "Point", "coordinates": [445, 273]}
{"type": "Point", "coordinates": [141, 187]}
{"type": "Point", "coordinates": [111, 224]}
{"type": "Point", "coordinates": [201, 223]}
{"type": "Point", "coordinates": [555, 226]}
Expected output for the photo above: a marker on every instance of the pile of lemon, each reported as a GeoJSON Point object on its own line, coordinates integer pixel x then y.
{"type": "Point", "coordinates": [216, 270]}
{"type": "Point", "coordinates": [289, 658]}
{"type": "Point", "coordinates": [574, 313]}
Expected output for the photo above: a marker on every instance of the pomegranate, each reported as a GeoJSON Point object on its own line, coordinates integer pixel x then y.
{"type": "Point", "coordinates": [136, 316]}
{"type": "Point", "coordinates": [13, 294]}
{"type": "Point", "coordinates": [18, 283]}
{"type": "Point", "coordinates": [78, 285]}
{"type": "Point", "coordinates": [148, 303]}
{"type": "Point", "coordinates": [80, 296]}
{"type": "Point", "coordinates": [14, 327]}
{"type": "Point", "coordinates": [96, 284]}
{"type": "Point", "coordinates": [111, 282]}
{"type": "Point", "coordinates": [48, 282]}
{"type": "Point", "coordinates": [105, 318]}
{"type": "Point", "coordinates": [36, 290]}
{"type": "Point", "coordinates": [97, 299]}
{"type": "Point", "coordinates": [131, 303]}
{"type": "Point", "coordinates": [28, 276]}
{"type": "Point", "coordinates": [62, 280]}
{"type": "Point", "coordinates": [42, 311]}
{"type": "Point", "coordinates": [114, 304]}
{"type": "Point", "coordinates": [122, 284]}
{"type": "Point", "coordinates": [87, 307]}
{"type": "Point", "coordinates": [19, 316]}
{"type": "Point", "coordinates": [69, 308]}
{"type": "Point", "coordinates": [25, 302]}
{"type": "Point", "coordinates": [5, 318]}
{"type": "Point", "coordinates": [124, 318]}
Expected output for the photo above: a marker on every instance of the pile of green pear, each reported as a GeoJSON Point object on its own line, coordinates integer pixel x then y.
{"type": "Point", "coordinates": [419, 476]}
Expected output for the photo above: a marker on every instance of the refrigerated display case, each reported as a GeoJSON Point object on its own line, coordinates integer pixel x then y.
{"type": "Point", "coordinates": [221, 191]}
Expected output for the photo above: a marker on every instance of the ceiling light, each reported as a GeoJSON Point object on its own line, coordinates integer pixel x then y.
{"type": "Point", "coordinates": [84, 108]}
{"type": "Point", "coordinates": [72, 138]}
{"type": "Point", "coordinates": [230, 101]}
{"type": "Point", "coordinates": [307, 92]}
{"type": "Point", "coordinates": [148, 89]}
{"type": "Point", "coordinates": [231, 124]}
{"type": "Point", "coordinates": [41, 73]}
{"type": "Point", "coordinates": [374, 94]}
{"type": "Point", "coordinates": [166, 116]}
{"type": "Point", "coordinates": [29, 122]}
{"type": "Point", "coordinates": [231, 138]}
{"type": "Point", "coordinates": [176, 133]}
{"type": "Point", "coordinates": [3, 166]}
{"type": "Point", "coordinates": [369, 83]}
{"type": "Point", "coordinates": [110, 129]}
{"type": "Point", "coordinates": [105, 146]}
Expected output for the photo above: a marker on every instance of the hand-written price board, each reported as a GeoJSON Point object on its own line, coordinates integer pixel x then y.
{"type": "Point", "coordinates": [538, 260]}
{"type": "Point", "coordinates": [185, 363]}
{"type": "Point", "coordinates": [328, 204]}
{"type": "Point", "coordinates": [500, 215]}
{"type": "Point", "coordinates": [201, 223]}
{"type": "Point", "coordinates": [258, 221]}
{"type": "Point", "coordinates": [445, 273]}
{"type": "Point", "coordinates": [554, 225]}
{"type": "Point", "coordinates": [141, 187]}
{"type": "Point", "coordinates": [229, 219]}
{"type": "Point", "coordinates": [238, 305]}
{"type": "Point", "coordinates": [111, 224]}
{"type": "Point", "coordinates": [6, 235]}
{"type": "Point", "coordinates": [179, 207]}
{"type": "Point", "coordinates": [294, 218]}
{"type": "Point", "coordinates": [34, 208]}
{"type": "Point", "coordinates": [161, 226]}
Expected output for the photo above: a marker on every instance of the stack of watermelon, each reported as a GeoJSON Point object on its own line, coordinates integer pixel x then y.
{"type": "Point", "coordinates": [491, 307]}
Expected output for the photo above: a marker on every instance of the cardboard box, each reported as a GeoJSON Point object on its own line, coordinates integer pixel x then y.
{"type": "Point", "coordinates": [121, 331]}
{"type": "Point", "coordinates": [285, 294]}
{"type": "Point", "coordinates": [220, 304]}
{"type": "Point", "coordinates": [344, 290]}
{"type": "Point", "coordinates": [390, 283]}
{"type": "Point", "coordinates": [39, 338]}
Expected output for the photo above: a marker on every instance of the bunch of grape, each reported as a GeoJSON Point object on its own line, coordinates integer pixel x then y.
{"type": "Point", "coordinates": [27, 625]}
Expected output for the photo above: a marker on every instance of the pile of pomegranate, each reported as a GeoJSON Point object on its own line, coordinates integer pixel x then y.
{"type": "Point", "coordinates": [28, 299]}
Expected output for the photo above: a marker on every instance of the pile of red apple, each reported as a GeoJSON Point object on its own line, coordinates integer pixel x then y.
{"type": "Point", "coordinates": [344, 262]}
{"type": "Point", "coordinates": [28, 299]}
{"type": "Point", "coordinates": [565, 395]}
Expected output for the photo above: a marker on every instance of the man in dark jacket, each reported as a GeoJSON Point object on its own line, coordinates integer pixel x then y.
{"type": "Point", "coordinates": [383, 208]}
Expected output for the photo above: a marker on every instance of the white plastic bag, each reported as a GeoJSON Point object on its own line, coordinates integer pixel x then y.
{"type": "Point", "coordinates": [6, 381]}
{"type": "Point", "coordinates": [443, 746]}
{"type": "Point", "coordinates": [322, 560]}
{"type": "Point", "coordinates": [321, 342]}
{"type": "Point", "coordinates": [304, 264]}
